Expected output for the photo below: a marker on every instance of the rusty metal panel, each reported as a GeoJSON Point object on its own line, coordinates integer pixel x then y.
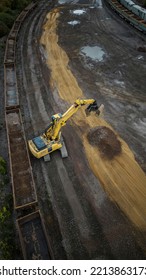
{"type": "Point", "coordinates": [11, 92]}
{"type": "Point", "coordinates": [10, 49]}
{"type": "Point", "coordinates": [33, 237]}
{"type": "Point", "coordinates": [22, 178]}
{"type": "Point", "coordinates": [30, 7]}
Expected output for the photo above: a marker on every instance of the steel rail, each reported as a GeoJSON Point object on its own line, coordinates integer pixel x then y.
{"type": "Point", "coordinates": [28, 218]}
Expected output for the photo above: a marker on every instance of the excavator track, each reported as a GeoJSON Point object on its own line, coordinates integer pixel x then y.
{"type": "Point", "coordinates": [63, 150]}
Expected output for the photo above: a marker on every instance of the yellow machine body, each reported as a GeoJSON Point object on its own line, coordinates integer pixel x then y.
{"type": "Point", "coordinates": [51, 139]}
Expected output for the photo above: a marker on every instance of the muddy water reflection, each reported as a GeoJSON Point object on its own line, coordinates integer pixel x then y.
{"type": "Point", "coordinates": [95, 53]}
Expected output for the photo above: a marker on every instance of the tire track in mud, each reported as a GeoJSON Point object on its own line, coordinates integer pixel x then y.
{"type": "Point", "coordinates": [57, 183]}
{"type": "Point", "coordinates": [122, 178]}
{"type": "Point", "coordinates": [66, 234]}
{"type": "Point", "coordinates": [32, 115]}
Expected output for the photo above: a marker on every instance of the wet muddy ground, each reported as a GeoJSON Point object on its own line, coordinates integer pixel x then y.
{"type": "Point", "coordinates": [93, 208]}
{"type": "Point", "coordinates": [106, 141]}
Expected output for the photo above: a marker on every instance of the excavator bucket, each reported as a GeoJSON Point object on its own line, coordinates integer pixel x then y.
{"type": "Point", "coordinates": [94, 108]}
{"type": "Point", "coordinates": [91, 108]}
{"type": "Point", "coordinates": [100, 110]}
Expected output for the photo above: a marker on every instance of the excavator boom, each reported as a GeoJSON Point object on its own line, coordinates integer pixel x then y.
{"type": "Point", "coordinates": [51, 139]}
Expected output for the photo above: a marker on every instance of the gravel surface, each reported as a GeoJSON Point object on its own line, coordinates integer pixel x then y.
{"type": "Point", "coordinates": [85, 217]}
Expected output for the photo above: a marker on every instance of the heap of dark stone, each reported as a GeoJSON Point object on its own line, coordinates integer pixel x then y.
{"type": "Point", "coordinates": [105, 140]}
{"type": "Point", "coordinates": [141, 48]}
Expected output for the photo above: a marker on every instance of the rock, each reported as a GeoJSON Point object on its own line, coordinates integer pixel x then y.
{"type": "Point", "coordinates": [141, 48]}
{"type": "Point", "coordinates": [105, 140]}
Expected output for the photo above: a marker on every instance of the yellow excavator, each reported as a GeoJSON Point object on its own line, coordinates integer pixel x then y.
{"type": "Point", "coordinates": [51, 139]}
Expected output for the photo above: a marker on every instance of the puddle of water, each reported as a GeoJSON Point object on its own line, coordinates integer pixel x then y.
{"type": "Point", "coordinates": [73, 22]}
{"type": "Point", "coordinates": [78, 12]}
{"type": "Point", "coordinates": [68, 1]}
{"type": "Point", "coordinates": [140, 57]}
{"type": "Point", "coordinates": [98, 3]}
{"type": "Point", "coordinates": [95, 53]}
{"type": "Point", "coordinates": [120, 83]}
{"type": "Point", "coordinates": [62, 1]}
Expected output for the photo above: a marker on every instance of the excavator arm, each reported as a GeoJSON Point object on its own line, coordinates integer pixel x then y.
{"type": "Point", "coordinates": [77, 104]}
{"type": "Point", "coordinates": [59, 120]}
{"type": "Point", "coordinates": [51, 139]}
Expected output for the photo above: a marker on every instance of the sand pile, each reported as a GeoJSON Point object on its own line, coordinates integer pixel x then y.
{"type": "Point", "coordinates": [105, 140]}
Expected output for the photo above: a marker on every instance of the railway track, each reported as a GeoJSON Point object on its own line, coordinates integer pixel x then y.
{"type": "Point", "coordinates": [63, 213]}
{"type": "Point", "coordinates": [127, 15]}
{"type": "Point", "coordinates": [35, 245]}
{"type": "Point", "coordinates": [33, 94]}
{"type": "Point", "coordinates": [33, 238]}
{"type": "Point", "coordinates": [24, 193]}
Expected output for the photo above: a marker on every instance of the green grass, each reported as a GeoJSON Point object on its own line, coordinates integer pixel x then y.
{"type": "Point", "coordinates": [7, 19]}
{"type": "Point", "coordinates": [3, 29]}
{"type": "Point", "coordinates": [8, 246]}
{"type": "Point", "coordinates": [3, 169]}
{"type": "Point", "coordinates": [9, 10]}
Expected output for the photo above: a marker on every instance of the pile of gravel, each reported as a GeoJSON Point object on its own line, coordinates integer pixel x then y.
{"type": "Point", "coordinates": [105, 140]}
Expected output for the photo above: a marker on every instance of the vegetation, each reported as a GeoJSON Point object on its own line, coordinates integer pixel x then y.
{"type": "Point", "coordinates": [9, 10]}
{"type": "Point", "coordinates": [8, 248]}
{"type": "Point", "coordinates": [2, 166]}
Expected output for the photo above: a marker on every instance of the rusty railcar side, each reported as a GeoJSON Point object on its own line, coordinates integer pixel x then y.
{"type": "Point", "coordinates": [10, 87]}
{"type": "Point", "coordinates": [21, 172]}
{"type": "Point", "coordinates": [32, 233]}
{"type": "Point", "coordinates": [128, 15]}
{"type": "Point", "coordinates": [30, 7]}
{"type": "Point", "coordinates": [12, 37]}
{"type": "Point", "coordinates": [10, 50]}
{"type": "Point", "coordinates": [33, 238]}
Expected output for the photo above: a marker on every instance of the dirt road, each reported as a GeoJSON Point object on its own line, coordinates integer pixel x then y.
{"type": "Point", "coordinates": [93, 208]}
{"type": "Point", "coordinates": [122, 177]}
